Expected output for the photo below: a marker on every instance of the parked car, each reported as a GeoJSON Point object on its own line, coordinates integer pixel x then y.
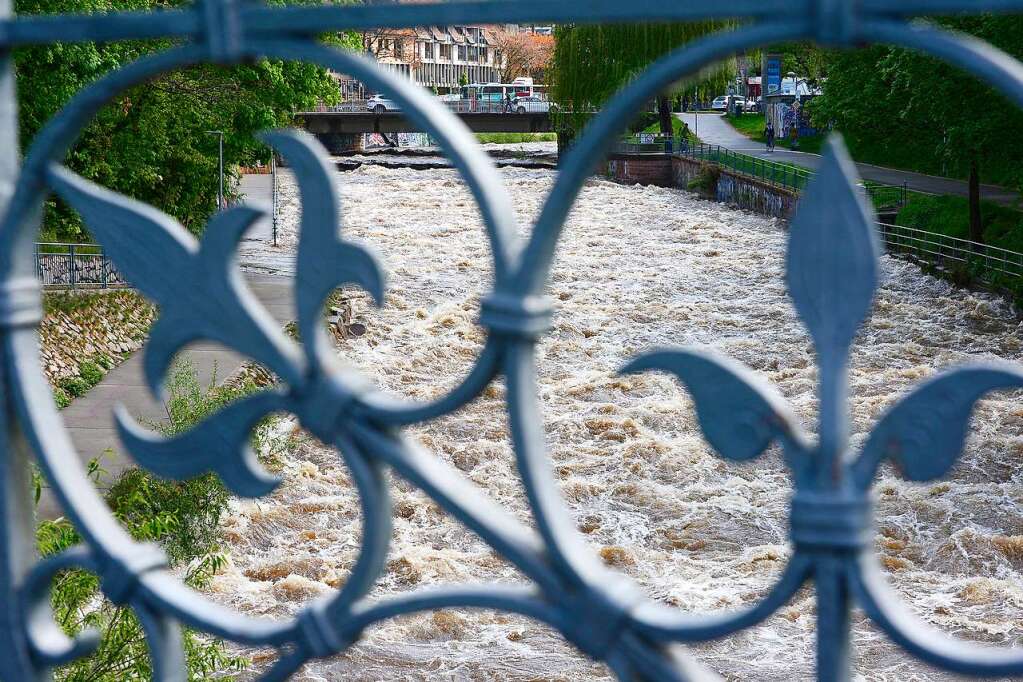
{"type": "Point", "coordinates": [534, 105]}
{"type": "Point", "coordinates": [379, 104]}
{"type": "Point", "coordinates": [721, 103]}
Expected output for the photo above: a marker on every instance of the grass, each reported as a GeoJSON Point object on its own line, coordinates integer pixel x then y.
{"type": "Point", "coordinates": [515, 138]}
{"type": "Point", "coordinates": [678, 128]}
{"type": "Point", "coordinates": [949, 215]}
{"type": "Point", "coordinates": [183, 517]}
{"type": "Point", "coordinates": [752, 126]}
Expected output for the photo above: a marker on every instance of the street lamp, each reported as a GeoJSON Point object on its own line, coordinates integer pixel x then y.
{"type": "Point", "coordinates": [220, 192]}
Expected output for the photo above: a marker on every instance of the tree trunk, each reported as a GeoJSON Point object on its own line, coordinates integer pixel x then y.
{"type": "Point", "coordinates": [664, 114]}
{"type": "Point", "coordinates": [976, 228]}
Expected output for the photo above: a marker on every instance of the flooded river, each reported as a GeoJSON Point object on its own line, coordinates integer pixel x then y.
{"type": "Point", "coordinates": [639, 267]}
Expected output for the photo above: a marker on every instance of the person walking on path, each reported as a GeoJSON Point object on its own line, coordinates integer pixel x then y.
{"type": "Point", "coordinates": [508, 103]}
{"type": "Point", "coordinates": [769, 134]}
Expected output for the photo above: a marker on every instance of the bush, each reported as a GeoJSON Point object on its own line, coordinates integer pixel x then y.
{"type": "Point", "coordinates": [182, 517]}
{"type": "Point", "coordinates": [105, 361]}
{"type": "Point", "coordinates": [90, 372]}
{"type": "Point", "coordinates": [75, 386]}
{"type": "Point", "coordinates": [61, 397]}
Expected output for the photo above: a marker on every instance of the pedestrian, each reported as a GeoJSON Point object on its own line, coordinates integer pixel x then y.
{"type": "Point", "coordinates": [508, 103]}
{"type": "Point", "coordinates": [769, 134]}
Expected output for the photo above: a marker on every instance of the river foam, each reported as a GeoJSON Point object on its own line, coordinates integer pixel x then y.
{"type": "Point", "coordinates": [638, 267]}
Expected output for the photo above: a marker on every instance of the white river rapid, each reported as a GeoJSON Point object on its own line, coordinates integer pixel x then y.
{"type": "Point", "coordinates": [638, 267]}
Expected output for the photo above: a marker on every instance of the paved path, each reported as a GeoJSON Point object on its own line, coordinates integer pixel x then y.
{"type": "Point", "coordinates": [89, 419]}
{"type": "Point", "coordinates": [713, 129]}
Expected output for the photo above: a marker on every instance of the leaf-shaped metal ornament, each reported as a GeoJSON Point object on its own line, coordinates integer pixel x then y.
{"type": "Point", "coordinates": [740, 414]}
{"type": "Point", "coordinates": [198, 288]}
{"type": "Point", "coordinates": [923, 434]}
{"type": "Point", "coordinates": [220, 445]}
{"type": "Point", "coordinates": [832, 269]}
{"type": "Point", "coordinates": [325, 261]}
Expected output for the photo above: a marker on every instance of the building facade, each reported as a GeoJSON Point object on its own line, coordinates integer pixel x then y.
{"type": "Point", "coordinates": [438, 57]}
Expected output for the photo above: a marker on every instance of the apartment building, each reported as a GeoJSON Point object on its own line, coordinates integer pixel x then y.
{"type": "Point", "coordinates": [439, 57]}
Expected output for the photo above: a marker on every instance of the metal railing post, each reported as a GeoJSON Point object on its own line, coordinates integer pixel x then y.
{"type": "Point", "coordinates": [71, 265]}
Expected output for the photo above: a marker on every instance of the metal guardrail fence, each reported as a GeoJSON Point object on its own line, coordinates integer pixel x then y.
{"type": "Point", "coordinates": [787, 176]}
{"type": "Point", "coordinates": [832, 279]}
{"type": "Point", "coordinates": [74, 266]}
{"type": "Point", "coordinates": [770, 172]}
{"type": "Point", "coordinates": [991, 264]}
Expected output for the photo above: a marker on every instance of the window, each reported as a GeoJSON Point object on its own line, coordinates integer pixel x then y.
{"type": "Point", "coordinates": [445, 52]}
{"type": "Point", "coordinates": [463, 53]}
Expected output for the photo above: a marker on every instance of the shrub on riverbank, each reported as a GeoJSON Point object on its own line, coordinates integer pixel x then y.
{"type": "Point", "coordinates": [182, 517]}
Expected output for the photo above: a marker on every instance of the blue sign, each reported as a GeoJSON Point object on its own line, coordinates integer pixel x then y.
{"type": "Point", "coordinates": [772, 74]}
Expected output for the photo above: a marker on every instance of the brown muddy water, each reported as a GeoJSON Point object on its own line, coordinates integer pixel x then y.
{"type": "Point", "coordinates": [638, 267]}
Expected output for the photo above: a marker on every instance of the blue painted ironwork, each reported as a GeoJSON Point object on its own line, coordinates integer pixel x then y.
{"type": "Point", "coordinates": [832, 276]}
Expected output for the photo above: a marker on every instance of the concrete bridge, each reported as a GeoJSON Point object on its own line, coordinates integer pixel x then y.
{"type": "Point", "coordinates": [338, 130]}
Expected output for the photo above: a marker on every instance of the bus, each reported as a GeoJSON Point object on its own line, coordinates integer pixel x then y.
{"type": "Point", "coordinates": [499, 92]}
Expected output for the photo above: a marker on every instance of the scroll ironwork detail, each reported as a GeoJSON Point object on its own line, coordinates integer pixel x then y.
{"type": "Point", "coordinates": [832, 275]}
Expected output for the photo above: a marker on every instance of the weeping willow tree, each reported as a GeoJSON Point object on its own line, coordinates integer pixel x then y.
{"type": "Point", "coordinates": [591, 63]}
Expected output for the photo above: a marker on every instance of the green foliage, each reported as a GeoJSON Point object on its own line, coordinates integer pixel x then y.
{"type": "Point", "coordinates": [679, 128]}
{"type": "Point", "coordinates": [591, 63]}
{"type": "Point", "coordinates": [90, 372]}
{"type": "Point", "coordinates": [514, 138]}
{"type": "Point", "coordinates": [76, 386]}
{"type": "Point", "coordinates": [150, 143]}
{"type": "Point", "coordinates": [61, 397]}
{"type": "Point", "coordinates": [899, 108]}
{"type": "Point", "coordinates": [67, 301]}
{"type": "Point", "coordinates": [752, 126]}
{"type": "Point", "coordinates": [1003, 227]}
{"type": "Point", "coordinates": [182, 517]}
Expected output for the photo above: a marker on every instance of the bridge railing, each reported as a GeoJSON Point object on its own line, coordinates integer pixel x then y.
{"type": "Point", "coordinates": [461, 106]}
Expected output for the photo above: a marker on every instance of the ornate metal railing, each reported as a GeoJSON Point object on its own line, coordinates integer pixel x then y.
{"type": "Point", "coordinates": [832, 276]}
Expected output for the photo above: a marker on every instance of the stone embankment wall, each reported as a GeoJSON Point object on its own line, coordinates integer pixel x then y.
{"type": "Point", "coordinates": [719, 184]}
{"type": "Point", "coordinates": [91, 327]}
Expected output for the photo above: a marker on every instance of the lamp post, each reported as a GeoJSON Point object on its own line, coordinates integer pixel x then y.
{"type": "Point", "coordinates": [220, 192]}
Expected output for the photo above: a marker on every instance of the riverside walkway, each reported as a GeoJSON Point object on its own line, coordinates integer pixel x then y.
{"type": "Point", "coordinates": [90, 418]}
{"type": "Point", "coordinates": [712, 128]}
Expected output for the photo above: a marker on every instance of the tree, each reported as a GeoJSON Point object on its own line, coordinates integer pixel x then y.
{"type": "Point", "coordinates": [151, 143]}
{"type": "Point", "coordinates": [903, 109]}
{"type": "Point", "coordinates": [524, 54]}
{"type": "Point", "coordinates": [591, 63]}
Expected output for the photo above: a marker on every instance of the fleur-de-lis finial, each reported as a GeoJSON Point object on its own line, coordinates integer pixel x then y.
{"type": "Point", "coordinates": [833, 262]}
{"type": "Point", "coordinates": [202, 296]}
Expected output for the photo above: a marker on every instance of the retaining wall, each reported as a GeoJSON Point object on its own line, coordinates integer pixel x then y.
{"type": "Point", "coordinates": [729, 188]}
{"type": "Point", "coordinates": [739, 190]}
{"type": "Point", "coordinates": [640, 169]}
